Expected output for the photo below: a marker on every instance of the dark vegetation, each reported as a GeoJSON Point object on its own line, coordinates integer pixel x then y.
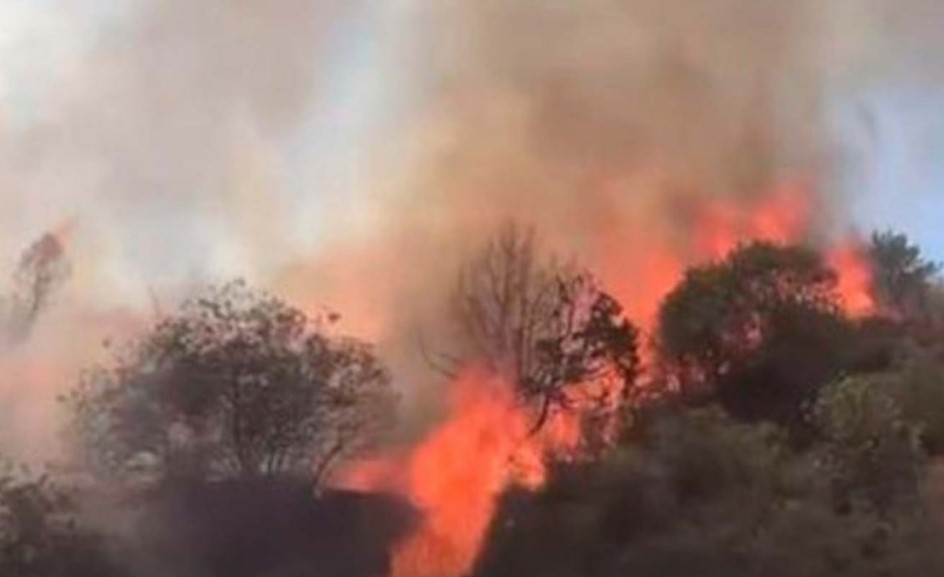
{"type": "Point", "coordinates": [238, 384]}
{"type": "Point", "coordinates": [248, 528]}
{"type": "Point", "coordinates": [786, 439]}
{"type": "Point", "coordinates": [758, 332]}
{"type": "Point", "coordinates": [791, 441]}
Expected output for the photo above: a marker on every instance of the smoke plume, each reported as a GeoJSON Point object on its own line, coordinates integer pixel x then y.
{"type": "Point", "coordinates": [192, 141]}
{"type": "Point", "coordinates": [607, 125]}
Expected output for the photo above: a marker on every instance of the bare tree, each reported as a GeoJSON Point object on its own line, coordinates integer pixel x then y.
{"type": "Point", "coordinates": [546, 326]}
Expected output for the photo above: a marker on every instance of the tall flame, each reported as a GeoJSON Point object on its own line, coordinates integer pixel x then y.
{"type": "Point", "coordinates": [641, 263]}
{"type": "Point", "coordinates": [455, 476]}
{"type": "Point", "coordinates": [854, 279]}
{"type": "Point", "coordinates": [484, 445]}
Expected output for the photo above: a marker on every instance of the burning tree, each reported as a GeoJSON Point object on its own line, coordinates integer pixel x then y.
{"type": "Point", "coordinates": [545, 326]}
{"type": "Point", "coordinates": [759, 330]}
{"type": "Point", "coordinates": [238, 384]}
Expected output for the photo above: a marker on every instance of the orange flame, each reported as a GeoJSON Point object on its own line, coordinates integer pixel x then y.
{"type": "Point", "coordinates": [456, 474]}
{"type": "Point", "coordinates": [781, 217]}
{"type": "Point", "coordinates": [641, 264]}
{"type": "Point", "coordinates": [855, 284]}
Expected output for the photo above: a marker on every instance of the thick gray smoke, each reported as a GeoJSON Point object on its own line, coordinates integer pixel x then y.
{"type": "Point", "coordinates": [537, 105]}
{"type": "Point", "coordinates": [155, 132]}
{"type": "Point", "coordinates": [158, 139]}
{"type": "Point", "coordinates": [583, 117]}
{"type": "Point", "coordinates": [179, 137]}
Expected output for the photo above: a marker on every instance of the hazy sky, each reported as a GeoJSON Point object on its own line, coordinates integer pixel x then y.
{"type": "Point", "coordinates": [178, 147]}
{"type": "Point", "coordinates": [325, 158]}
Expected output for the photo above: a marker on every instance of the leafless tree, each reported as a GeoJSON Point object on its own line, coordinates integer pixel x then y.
{"type": "Point", "coordinates": [545, 325]}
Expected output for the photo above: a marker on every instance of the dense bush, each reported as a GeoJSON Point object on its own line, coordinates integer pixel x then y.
{"type": "Point", "coordinates": [238, 383]}
{"type": "Point", "coordinates": [758, 331]}
{"type": "Point", "coordinates": [705, 495]}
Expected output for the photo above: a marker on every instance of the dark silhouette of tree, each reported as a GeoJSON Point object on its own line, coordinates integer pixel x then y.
{"type": "Point", "coordinates": [237, 384]}
{"type": "Point", "coordinates": [759, 330]}
{"type": "Point", "coordinates": [545, 326]}
{"type": "Point", "coordinates": [902, 277]}
{"type": "Point", "coordinates": [41, 270]}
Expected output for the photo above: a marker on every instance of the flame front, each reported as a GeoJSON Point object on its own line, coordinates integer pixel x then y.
{"type": "Point", "coordinates": [485, 445]}
{"type": "Point", "coordinates": [641, 263]}
{"type": "Point", "coordinates": [455, 476]}
{"type": "Point", "coordinates": [854, 279]}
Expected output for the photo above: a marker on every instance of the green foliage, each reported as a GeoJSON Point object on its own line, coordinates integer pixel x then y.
{"type": "Point", "coordinates": [688, 473]}
{"type": "Point", "coordinates": [919, 387]}
{"type": "Point", "coordinates": [902, 277]}
{"type": "Point", "coordinates": [914, 376]}
{"type": "Point", "coordinates": [698, 493]}
{"type": "Point", "coordinates": [803, 537]}
{"type": "Point", "coordinates": [237, 384]}
{"type": "Point", "coordinates": [706, 492]}
{"type": "Point", "coordinates": [707, 454]}
{"type": "Point", "coordinates": [759, 330]}
{"type": "Point", "coordinates": [871, 451]}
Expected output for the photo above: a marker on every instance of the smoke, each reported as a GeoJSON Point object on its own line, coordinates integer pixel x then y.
{"type": "Point", "coordinates": [602, 123]}
{"type": "Point", "coordinates": [543, 108]}
{"type": "Point", "coordinates": [194, 141]}
{"type": "Point", "coordinates": [156, 129]}
{"type": "Point", "coordinates": [161, 140]}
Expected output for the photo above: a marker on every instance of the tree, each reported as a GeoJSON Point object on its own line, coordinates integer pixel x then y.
{"type": "Point", "coordinates": [41, 270]}
{"type": "Point", "coordinates": [915, 381]}
{"type": "Point", "coordinates": [238, 383]}
{"type": "Point", "coordinates": [545, 326]}
{"type": "Point", "coordinates": [870, 449]}
{"type": "Point", "coordinates": [902, 277]}
{"type": "Point", "coordinates": [759, 330]}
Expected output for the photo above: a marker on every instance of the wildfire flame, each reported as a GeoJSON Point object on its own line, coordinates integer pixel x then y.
{"type": "Point", "coordinates": [484, 445]}
{"type": "Point", "coordinates": [455, 476]}
{"type": "Point", "coordinates": [640, 263]}
{"type": "Point", "coordinates": [854, 279]}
